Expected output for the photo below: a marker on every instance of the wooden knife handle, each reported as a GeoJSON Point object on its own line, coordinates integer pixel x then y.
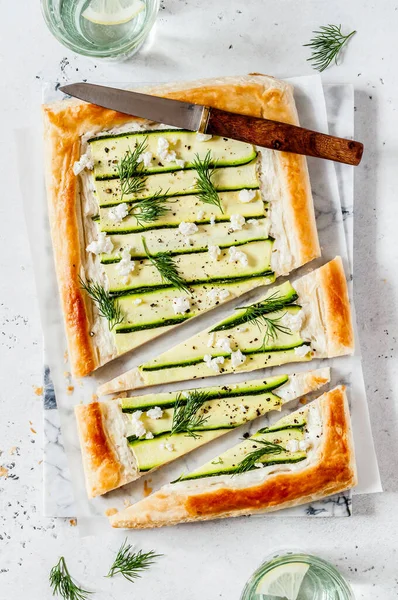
{"type": "Point", "coordinates": [282, 136]}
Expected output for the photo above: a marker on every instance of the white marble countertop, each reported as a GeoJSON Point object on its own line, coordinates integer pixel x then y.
{"type": "Point", "coordinates": [199, 38]}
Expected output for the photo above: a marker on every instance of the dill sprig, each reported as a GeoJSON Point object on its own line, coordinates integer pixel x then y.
{"type": "Point", "coordinates": [164, 263]}
{"type": "Point", "coordinates": [256, 455]}
{"type": "Point", "coordinates": [326, 45]}
{"type": "Point", "coordinates": [131, 564]}
{"type": "Point", "coordinates": [62, 583]}
{"type": "Point", "coordinates": [108, 307]}
{"type": "Point", "coordinates": [207, 192]}
{"type": "Point", "coordinates": [185, 417]}
{"type": "Point", "coordinates": [150, 209]}
{"type": "Point", "coordinates": [132, 182]}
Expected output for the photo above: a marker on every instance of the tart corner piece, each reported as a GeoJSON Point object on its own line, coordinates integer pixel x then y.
{"type": "Point", "coordinates": [107, 462]}
{"type": "Point", "coordinates": [327, 467]}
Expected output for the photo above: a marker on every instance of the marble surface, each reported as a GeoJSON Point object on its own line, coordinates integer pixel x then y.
{"type": "Point", "coordinates": [204, 39]}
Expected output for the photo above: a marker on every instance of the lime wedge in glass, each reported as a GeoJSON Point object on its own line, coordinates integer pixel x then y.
{"type": "Point", "coordinates": [283, 581]}
{"type": "Point", "coordinates": [112, 12]}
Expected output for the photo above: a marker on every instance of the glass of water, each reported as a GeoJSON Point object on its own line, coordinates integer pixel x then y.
{"type": "Point", "coordinates": [296, 576]}
{"type": "Point", "coordinates": [66, 22]}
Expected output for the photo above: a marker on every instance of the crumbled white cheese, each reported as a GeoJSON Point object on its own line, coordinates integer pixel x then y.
{"type": "Point", "coordinates": [237, 358]}
{"type": "Point", "coordinates": [241, 329]}
{"type": "Point", "coordinates": [294, 321]}
{"type": "Point", "coordinates": [102, 244]}
{"type": "Point", "coordinates": [118, 212]}
{"type": "Point", "coordinates": [246, 196]}
{"type": "Point", "coordinates": [237, 256]}
{"type": "Point", "coordinates": [237, 222]}
{"type": "Point", "coordinates": [211, 340]}
{"type": "Point", "coordinates": [126, 265]}
{"type": "Point", "coordinates": [180, 163]}
{"type": "Point", "coordinates": [146, 159]}
{"type": "Point", "coordinates": [187, 228]}
{"type": "Point", "coordinates": [185, 394]}
{"type": "Point", "coordinates": [163, 145]}
{"type": "Point", "coordinates": [137, 301]}
{"type": "Point", "coordinates": [216, 294]}
{"type": "Point", "coordinates": [303, 445]}
{"type": "Point", "coordinates": [168, 446]}
{"type": "Point", "coordinates": [181, 305]}
{"type": "Point", "coordinates": [225, 344]}
{"type": "Point", "coordinates": [292, 446]}
{"type": "Point", "coordinates": [203, 137]}
{"type": "Point", "coordinates": [85, 162]}
{"type": "Point", "coordinates": [243, 408]}
{"type": "Point", "coordinates": [213, 363]}
{"type": "Point", "coordinates": [166, 155]}
{"type": "Point", "coordinates": [214, 252]}
{"type": "Point", "coordinates": [252, 221]}
{"type": "Point", "coordinates": [301, 350]}
{"type": "Point", "coordinates": [259, 465]}
{"type": "Point", "coordinates": [138, 425]}
{"type": "Point", "coordinates": [212, 220]}
{"type": "Point", "coordinates": [154, 413]}
{"type": "Point", "coordinates": [149, 435]}
{"type": "Point", "coordinates": [200, 215]}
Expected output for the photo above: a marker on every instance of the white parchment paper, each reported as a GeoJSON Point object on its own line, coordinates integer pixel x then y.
{"type": "Point", "coordinates": [312, 110]}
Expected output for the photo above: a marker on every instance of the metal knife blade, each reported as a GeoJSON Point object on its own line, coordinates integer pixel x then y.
{"type": "Point", "coordinates": [162, 110]}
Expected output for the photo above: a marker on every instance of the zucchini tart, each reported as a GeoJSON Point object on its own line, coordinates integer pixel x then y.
{"type": "Point", "coordinates": [123, 439]}
{"type": "Point", "coordinates": [152, 226]}
{"type": "Point", "coordinates": [305, 456]}
{"type": "Point", "coordinates": [293, 322]}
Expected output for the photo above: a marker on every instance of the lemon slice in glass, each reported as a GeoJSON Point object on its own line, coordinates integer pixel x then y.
{"type": "Point", "coordinates": [283, 581]}
{"type": "Point", "coordinates": [112, 12]}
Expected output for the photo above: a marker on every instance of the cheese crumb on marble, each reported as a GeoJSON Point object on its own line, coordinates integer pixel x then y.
{"type": "Point", "coordinates": [225, 344]}
{"type": "Point", "coordinates": [237, 222]}
{"type": "Point", "coordinates": [235, 255]}
{"type": "Point", "coordinates": [237, 358]}
{"type": "Point", "coordinates": [154, 413]}
{"type": "Point", "coordinates": [214, 252]}
{"type": "Point", "coordinates": [292, 446]}
{"type": "Point", "coordinates": [203, 137]}
{"type": "Point", "coordinates": [187, 228]}
{"type": "Point", "coordinates": [302, 350]}
{"type": "Point", "coordinates": [85, 162]}
{"type": "Point", "coordinates": [126, 265]}
{"type": "Point", "coordinates": [246, 196]}
{"type": "Point", "coordinates": [181, 305]}
{"type": "Point", "coordinates": [102, 245]}
{"type": "Point", "coordinates": [214, 363]}
{"type": "Point", "coordinates": [118, 213]}
{"type": "Point", "coordinates": [146, 159]}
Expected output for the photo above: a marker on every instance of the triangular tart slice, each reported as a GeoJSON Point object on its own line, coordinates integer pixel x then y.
{"type": "Point", "coordinates": [301, 458]}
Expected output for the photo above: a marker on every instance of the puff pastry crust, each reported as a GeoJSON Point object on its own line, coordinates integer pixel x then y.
{"type": "Point", "coordinates": [66, 122]}
{"type": "Point", "coordinates": [331, 469]}
{"type": "Point", "coordinates": [107, 459]}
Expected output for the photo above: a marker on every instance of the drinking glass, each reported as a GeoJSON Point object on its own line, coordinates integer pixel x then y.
{"type": "Point", "coordinates": [65, 21]}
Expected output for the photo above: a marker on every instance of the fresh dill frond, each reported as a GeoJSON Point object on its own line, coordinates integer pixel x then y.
{"type": "Point", "coordinates": [131, 564]}
{"type": "Point", "coordinates": [185, 417]}
{"type": "Point", "coordinates": [62, 583]}
{"type": "Point", "coordinates": [256, 455]}
{"type": "Point", "coordinates": [207, 192]}
{"type": "Point", "coordinates": [164, 263]}
{"type": "Point", "coordinates": [108, 307]}
{"type": "Point", "coordinates": [150, 209]}
{"type": "Point", "coordinates": [326, 46]}
{"type": "Point", "coordinates": [131, 180]}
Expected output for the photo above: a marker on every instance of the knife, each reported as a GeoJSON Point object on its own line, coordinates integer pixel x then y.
{"type": "Point", "coordinates": [205, 119]}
